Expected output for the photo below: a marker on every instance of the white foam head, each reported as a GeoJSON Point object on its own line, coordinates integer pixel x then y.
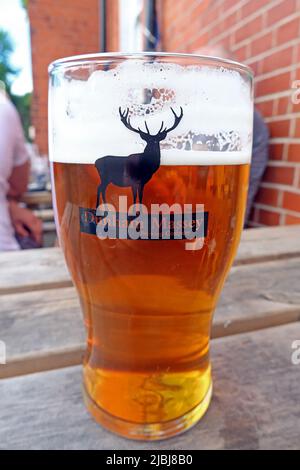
{"type": "Point", "coordinates": [216, 128]}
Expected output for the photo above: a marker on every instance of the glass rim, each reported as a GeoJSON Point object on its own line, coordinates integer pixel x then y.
{"type": "Point", "coordinates": [102, 57]}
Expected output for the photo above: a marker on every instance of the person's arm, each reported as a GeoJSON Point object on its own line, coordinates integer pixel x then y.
{"type": "Point", "coordinates": [25, 222]}
{"type": "Point", "coordinates": [19, 177]}
{"type": "Point", "coordinates": [260, 156]}
{"type": "Point", "coordinates": [18, 181]}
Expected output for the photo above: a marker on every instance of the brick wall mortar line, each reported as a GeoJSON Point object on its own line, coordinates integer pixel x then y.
{"type": "Point", "coordinates": [289, 68]}
{"type": "Point", "coordinates": [280, 198]}
{"type": "Point", "coordinates": [269, 29]}
{"type": "Point", "coordinates": [211, 25]}
{"type": "Point", "coordinates": [296, 181]}
{"type": "Point", "coordinates": [272, 96]}
{"type": "Point", "coordinates": [277, 210]}
{"type": "Point", "coordinates": [273, 50]}
{"type": "Point", "coordinates": [292, 127]}
{"type": "Point", "coordinates": [230, 30]}
{"type": "Point", "coordinates": [248, 19]}
{"type": "Point", "coordinates": [275, 107]}
{"type": "Point", "coordinates": [280, 163]}
{"type": "Point", "coordinates": [282, 117]}
{"type": "Point", "coordinates": [253, 224]}
{"type": "Point", "coordinates": [279, 187]}
{"type": "Point", "coordinates": [284, 140]}
{"type": "Point", "coordinates": [294, 59]}
{"type": "Point", "coordinates": [282, 219]}
{"type": "Point", "coordinates": [285, 153]}
{"type": "Point", "coordinates": [274, 36]}
{"type": "Point", "coordinates": [187, 12]}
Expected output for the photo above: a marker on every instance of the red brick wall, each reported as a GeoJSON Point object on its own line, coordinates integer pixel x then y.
{"type": "Point", "coordinates": [264, 34]}
{"type": "Point", "coordinates": [112, 26]}
{"type": "Point", "coordinates": [58, 28]}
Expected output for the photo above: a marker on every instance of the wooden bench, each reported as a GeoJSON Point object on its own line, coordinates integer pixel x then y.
{"type": "Point", "coordinates": [46, 215]}
{"type": "Point", "coordinates": [40, 202]}
{"type": "Point", "coordinates": [256, 386]}
{"type": "Point", "coordinates": [37, 198]}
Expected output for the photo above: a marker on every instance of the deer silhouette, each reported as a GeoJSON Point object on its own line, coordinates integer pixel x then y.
{"type": "Point", "coordinates": [134, 170]}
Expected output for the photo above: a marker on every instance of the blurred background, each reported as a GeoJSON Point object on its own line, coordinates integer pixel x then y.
{"type": "Point", "coordinates": [264, 34]}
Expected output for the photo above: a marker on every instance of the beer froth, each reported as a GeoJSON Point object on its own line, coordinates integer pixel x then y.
{"type": "Point", "coordinates": [216, 128]}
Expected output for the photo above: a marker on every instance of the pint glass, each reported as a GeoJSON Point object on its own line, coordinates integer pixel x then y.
{"type": "Point", "coordinates": [150, 158]}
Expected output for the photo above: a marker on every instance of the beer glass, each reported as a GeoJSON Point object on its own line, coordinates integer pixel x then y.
{"type": "Point", "coordinates": [150, 159]}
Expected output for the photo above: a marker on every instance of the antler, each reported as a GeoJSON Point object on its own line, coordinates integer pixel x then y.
{"type": "Point", "coordinates": [126, 121]}
{"type": "Point", "coordinates": [176, 121]}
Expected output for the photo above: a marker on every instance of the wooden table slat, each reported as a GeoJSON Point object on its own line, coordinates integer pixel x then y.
{"type": "Point", "coordinates": [256, 397]}
{"type": "Point", "coordinates": [49, 322]}
{"type": "Point", "coordinates": [33, 198]}
{"type": "Point", "coordinates": [30, 270]}
{"type": "Point", "coordinates": [255, 404]}
{"type": "Point", "coordinates": [44, 214]}
{"type": "Point", "coordinates": [45, 269]}
{"type": "Point", "coordinates": [264, 244]}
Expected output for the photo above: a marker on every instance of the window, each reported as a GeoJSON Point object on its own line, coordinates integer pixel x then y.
{"type": "Point", "coordinates": [131, 29]}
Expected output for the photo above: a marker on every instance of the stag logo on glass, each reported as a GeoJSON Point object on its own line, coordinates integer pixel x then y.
{"type": "Point", "coordinates": [137, 169]}
{"type": "Point", "coordinates": [164, 222]}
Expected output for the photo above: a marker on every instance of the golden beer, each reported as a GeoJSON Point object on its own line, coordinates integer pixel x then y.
{"type": "Point", "coordinates": [148, 303]}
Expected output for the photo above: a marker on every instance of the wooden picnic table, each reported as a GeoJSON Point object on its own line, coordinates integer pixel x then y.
{"type": "Point", "coordinates": [256, 401]}
{"type": "Point", "coordinates": [41, 204]}
{"type": "Point", "coordinates": [37, 198]}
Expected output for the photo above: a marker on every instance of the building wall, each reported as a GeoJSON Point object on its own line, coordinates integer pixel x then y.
{"type": "Point", "coordinates": [58, 29]}
{"type": "Point", "coordinates": [112, 25]}
{"type": "Point", "coordinates": [265, 34]}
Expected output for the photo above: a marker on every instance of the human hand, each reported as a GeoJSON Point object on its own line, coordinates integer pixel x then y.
{"type": "Point", "coordinates": [25, 223]}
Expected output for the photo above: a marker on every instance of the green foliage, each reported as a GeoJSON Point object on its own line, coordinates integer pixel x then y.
{"type": "Point", "coordinates": [23, 104]}
{"type": "Point", "coordinates": [7, 74]}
